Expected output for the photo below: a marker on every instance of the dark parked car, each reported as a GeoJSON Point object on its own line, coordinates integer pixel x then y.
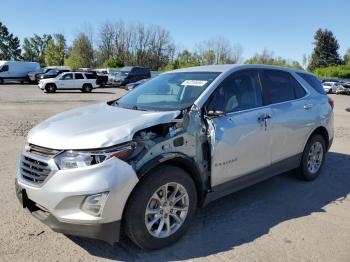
{"type": "Point", "coordinates": [132, 86]}
{"type": "Point", "coordinates": [102, 78]}
{"type": "Point", "coordinates": [131, 74]}
{"type": "Point", "coordinates": [52, 73]}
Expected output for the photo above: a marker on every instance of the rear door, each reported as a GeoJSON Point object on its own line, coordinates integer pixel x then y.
{"type": "Point", "coordinates": [91, 78]}
{"type": "Point", "coordinates": [292, 115]}
{"type": "Point", "coordinates": [240, 135]}
{"type": "Point", "coordinates": [78, 80]}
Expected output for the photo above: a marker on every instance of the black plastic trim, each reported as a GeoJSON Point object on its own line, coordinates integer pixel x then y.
{"type": "Point", "coordinates": [109, 232]}
{"type": "Point", "coordinates": [252, 178]}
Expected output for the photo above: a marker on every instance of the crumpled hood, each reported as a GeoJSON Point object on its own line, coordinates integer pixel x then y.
{"type": "Point", "coordinates": [95, 126]}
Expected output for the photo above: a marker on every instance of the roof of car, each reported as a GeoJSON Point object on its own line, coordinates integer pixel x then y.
{"type": "Point", "coordinates": [229, 67]}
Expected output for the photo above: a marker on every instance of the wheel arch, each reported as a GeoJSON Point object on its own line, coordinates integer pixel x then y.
{"type": "Point", "coordinates": [179, 160]}
{"type": "Point", "coordinates": [321, 130]}
{"type": "Point", "coordinates": [50, 83]}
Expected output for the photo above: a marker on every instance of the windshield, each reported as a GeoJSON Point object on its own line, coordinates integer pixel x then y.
{"type": "Point", "coordinates": [172, 91]}
{"type": "Point", "coordinates": [122, 73]}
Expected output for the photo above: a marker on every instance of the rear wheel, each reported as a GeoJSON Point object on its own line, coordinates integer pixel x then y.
{"type": "Point", "coordinates": [87, 88]}
{"type": "Point", "coordinates": [50, 88]}
{"type": "Point", "coordinates": [1, 81]}
{"type": "Point", "coordinates": [313, 158]}
{"type": "Point", "coordinates": [160, 209]}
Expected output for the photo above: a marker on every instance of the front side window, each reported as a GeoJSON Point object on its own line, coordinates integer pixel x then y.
{"type": "Point", "coordinates": [171, 91]}
{"type": "Point", "coordinates": [67, 77]}
{"type": "Point", "coordinates": [237, 92]}
{"type": "Point", "coordinates": [280, 86]}
{"type": "Point", "coordinates": [4, 68]}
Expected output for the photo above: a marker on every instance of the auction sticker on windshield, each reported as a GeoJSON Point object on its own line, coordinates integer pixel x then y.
{"type": "Point", "coordinates": [194, 83]}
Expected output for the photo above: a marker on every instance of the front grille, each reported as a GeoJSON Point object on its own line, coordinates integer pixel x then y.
{"type": "Point", "coordinates": [42, 151]}
{"type": "Point", "coordinates": [34, 170]}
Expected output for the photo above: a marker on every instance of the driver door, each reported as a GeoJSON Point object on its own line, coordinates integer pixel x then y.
{"type": "Point", "coordinates": [66, 81]}
{"type": "Point", "coordinates": [239, 132]}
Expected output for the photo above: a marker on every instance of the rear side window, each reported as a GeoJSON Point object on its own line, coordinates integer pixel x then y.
{"type": "Point", "coordinates": [79, 76]}
{"type": "Point", "coordinates": [298, 89]}
{"type": "Point", "coordinates": [313, 81]}
{"type": "Point", "coordinates": [280, 86]}
{"type": "Point", "coordinates": [90, 76]}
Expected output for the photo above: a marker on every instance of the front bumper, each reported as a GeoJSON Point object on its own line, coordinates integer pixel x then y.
{"type": "Point", "coordinates": [109, 232]}
{"type": "Point", "coordinates": [57, 201]}
{"type": "Point", "coordinates": [41, 85]}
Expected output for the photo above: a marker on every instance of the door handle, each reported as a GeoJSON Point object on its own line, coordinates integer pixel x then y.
{"type": "Point", "coordinates": [263, 118]}
{"type": "Point", "coordinates": [308, 106]}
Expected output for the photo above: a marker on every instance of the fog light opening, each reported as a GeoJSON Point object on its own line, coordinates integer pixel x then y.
{"type": "Point", "coordinates": [94, 204]}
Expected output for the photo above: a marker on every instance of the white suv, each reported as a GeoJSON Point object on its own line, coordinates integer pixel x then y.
{"type": "Point", "coordinates": [84, 82]}
{"type": "Point", "coordinates": [144, 163]}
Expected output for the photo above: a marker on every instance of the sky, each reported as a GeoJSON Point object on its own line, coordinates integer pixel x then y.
{"type": "Point", "coordinates": [284, 27]}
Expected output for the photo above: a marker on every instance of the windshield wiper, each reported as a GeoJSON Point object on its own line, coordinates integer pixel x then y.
{"type": "Point", "coordinates": [137, 108]}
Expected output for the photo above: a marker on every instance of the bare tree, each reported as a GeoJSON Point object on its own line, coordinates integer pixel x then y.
{"type": "Point", "coordinates": [106, 41]}
{"type": "Point", "coordinates": [219, 50]}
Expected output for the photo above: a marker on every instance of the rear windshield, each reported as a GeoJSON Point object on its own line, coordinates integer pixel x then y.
{"type": "Point", "coordinates": [314, 82]}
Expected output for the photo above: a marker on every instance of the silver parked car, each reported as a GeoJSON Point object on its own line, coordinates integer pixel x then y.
{"type": "Point", "coordinates": [145, 162]}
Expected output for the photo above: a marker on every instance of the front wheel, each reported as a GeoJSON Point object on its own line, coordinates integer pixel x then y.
{"type": "Point", "coordinates": [161, 207]}
{"type": "Point", "coordinates": [313, 158]}
{"type": "Point", "coordinates": [50, 88]}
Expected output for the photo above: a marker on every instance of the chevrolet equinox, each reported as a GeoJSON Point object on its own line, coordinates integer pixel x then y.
{"type": "Point", "coordinates": [142, 164]}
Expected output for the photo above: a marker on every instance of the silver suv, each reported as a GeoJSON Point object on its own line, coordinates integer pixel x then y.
{"type": "Point", "coordinates": [144, 163]}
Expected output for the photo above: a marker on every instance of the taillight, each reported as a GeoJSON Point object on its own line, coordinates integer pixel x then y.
{"type": "Point", "coordinates": [331, 102]}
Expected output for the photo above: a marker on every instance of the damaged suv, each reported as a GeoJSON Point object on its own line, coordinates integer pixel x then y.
{"type": "Point", "coordinates": [144, 163]}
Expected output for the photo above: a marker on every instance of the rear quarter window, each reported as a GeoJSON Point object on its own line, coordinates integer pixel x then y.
{"type": "Point", "coordinates": [90, 76]}
{"type": "Point", "coordinates": [313, 82]}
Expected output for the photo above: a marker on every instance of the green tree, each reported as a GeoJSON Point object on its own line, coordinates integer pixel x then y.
{"type": "Point", "coordinates": [267, 57]}
{"type": "Point", "coordinates": [34, 48]}
{"type": "Point", "coordinates": [55, 50]}
{"type": "Point", "coordinates": [113, 62]}
{"type": "Point", "coordinates": [347, 57]}
{"type": "Point", "coordinates": [82, 53]}
{"type": "Point", "coordinates": [187, 59]}
{"type": "Point", "coordinates": [325, 53]}
{"type": "Point", "coordinates": [9, 45]}
{"type": "Point", "coordinates": [340, 71]}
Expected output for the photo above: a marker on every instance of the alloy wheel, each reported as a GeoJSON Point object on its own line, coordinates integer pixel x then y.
{"type": "Point", "coordinates": [166, 210]}
{"type": "Point", "coordinates": [315, 157]}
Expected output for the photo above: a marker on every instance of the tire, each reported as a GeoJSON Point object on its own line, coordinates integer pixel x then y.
{"type": "Point", "coordinates": [87, 88]}
{"type": "Point", "coordinates": [135, 217]}
{"type": "Point", "coordinates": [50, 88]}
{"type": "Point", "coordinates": [1, 81]}
{"type": "Point", "coordinates": [311, 164]}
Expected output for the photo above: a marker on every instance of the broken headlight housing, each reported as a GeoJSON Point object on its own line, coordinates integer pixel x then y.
{"type": "Point", "coordinates": [82, 158]}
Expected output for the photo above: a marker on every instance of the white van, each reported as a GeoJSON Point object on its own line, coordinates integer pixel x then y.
{"type": "Point", "coordinates": [17, 70]}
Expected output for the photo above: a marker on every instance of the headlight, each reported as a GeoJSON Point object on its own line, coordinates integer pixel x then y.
{"type": "Point", "coordinates": [74, 159]}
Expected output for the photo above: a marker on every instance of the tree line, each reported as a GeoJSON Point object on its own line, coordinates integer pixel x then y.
{"type": "Point", "coordinates": [119, 43]}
